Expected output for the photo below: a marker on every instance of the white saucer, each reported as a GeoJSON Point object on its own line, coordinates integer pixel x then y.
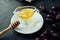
{"type": "Point", "coordinates": [22, 28]}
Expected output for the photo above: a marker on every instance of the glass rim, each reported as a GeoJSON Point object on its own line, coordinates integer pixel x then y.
{"type": "Point", "coordinates": [23, 7]}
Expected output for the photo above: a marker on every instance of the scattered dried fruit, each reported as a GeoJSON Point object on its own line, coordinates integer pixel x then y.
{"type": "Point", "coordinates": [54, 25]}
{"type": "Point", "coordinates": [37, 38]}
{"type": "Point", "coordinates": [43, 9]}
{"type": "Point", "coordinates": [54, 8]}
{"type": "Point", "coordinates": [49, 20]}
{"type": "Point", "coordinates": [58, 18]}
{"type": "Point", "coordinates": [52, 12]}
{"type": "Point", "coordinates": [50, 16]}
{"type": "Point", "coordinates": [45, 39]}
{"type": "Point", "coordinates": [54, 34]}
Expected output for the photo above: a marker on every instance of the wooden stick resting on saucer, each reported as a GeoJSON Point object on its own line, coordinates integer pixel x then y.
{"type": "Point", "coordinates": [11, 26]}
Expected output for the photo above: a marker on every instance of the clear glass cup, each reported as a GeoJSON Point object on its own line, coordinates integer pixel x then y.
{"type": "Point", "coordinates": [30, 22]}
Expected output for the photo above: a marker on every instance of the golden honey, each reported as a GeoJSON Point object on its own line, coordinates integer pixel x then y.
{"type": "Point", "coordinates": [26, 14]}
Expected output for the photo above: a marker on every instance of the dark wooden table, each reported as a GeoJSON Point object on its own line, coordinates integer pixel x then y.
{"type": "Point", "coordinates": [6, 12]}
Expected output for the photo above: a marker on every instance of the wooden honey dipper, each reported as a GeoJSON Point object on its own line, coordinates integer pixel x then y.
{"type": "Point", "coordinates": [11, 26]}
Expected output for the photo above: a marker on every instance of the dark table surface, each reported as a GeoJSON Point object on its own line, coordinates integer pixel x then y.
{"type": "Point", "coordinates": [6, 12]}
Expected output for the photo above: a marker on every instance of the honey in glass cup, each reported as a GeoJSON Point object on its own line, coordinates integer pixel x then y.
{"type": "Point", "coordinates": [26, 14]}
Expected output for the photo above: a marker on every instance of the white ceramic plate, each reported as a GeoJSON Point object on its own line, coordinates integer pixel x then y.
{"type": "Point", "coordinates": [25, 29]}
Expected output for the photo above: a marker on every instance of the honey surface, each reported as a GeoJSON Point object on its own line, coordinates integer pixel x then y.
{"type": "Point", "coordinates": [26, 14]}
